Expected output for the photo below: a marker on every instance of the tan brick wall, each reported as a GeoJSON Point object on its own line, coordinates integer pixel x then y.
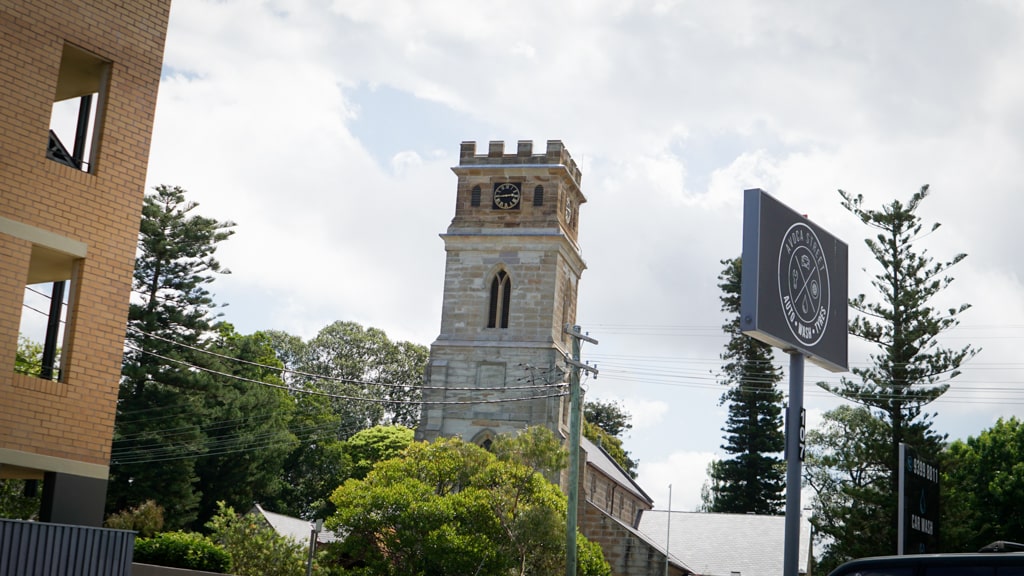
{"type": "Point", "coordinates": [73, 419]}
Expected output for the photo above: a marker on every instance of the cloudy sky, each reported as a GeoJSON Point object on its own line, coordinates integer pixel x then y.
{"type": "Point", "coordinates": [327, 131]}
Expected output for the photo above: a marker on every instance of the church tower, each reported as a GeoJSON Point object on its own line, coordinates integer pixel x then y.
{"type": "Point", "coordinates": [511, 274]}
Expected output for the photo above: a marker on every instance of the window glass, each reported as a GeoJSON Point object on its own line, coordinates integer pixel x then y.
{"type": "Point", "coordinates": [77, 109]}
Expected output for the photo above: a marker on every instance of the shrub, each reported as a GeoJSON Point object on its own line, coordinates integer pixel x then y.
{"type": "Point", "coordinates": [183, 550]}
{"type": "Point", "coordinates": [147, 519]}
{"type": "Point", "coordinates": [256, 550]}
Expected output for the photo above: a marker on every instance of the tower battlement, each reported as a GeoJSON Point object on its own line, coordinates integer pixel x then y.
{"type": "Point", "coordinates": [556, 154]}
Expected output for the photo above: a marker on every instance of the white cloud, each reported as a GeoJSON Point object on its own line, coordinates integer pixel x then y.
{"type": "Point", "coordinates": [686, 472]}
{"type": "Point", "coordinates": [327, 134]}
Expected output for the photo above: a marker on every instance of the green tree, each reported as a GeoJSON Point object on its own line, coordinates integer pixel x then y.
{"type": "Point", "coordinates": [28, 358]}
{"type": "Point", "coordinates": [368, 380]}
{"type": "Point", "coordinates": [846, 469]}
{"type": "Point", "coordinates": [751, 480]}
{"type": "Point", "coordinates": [604, 422]}
{"type": "Point", "coordinates": [910, 369]}
{"type": "Point", "coordinates": [20, 499]}
{"type": "Point", "coordinates": [201, 416]}
{"type": "Point", "coordinates": [983, 488]}
{"type": "Point", "coordinates": [368, 447]}
{"type": "Point", "coordinates": [161, 400]}
{"type": "Point", "coordinates": [245, 424]}
{"type": "Point", "coordinates": [345, 359]}
{"type": "Point", "coordinates": [609, 416]}
{"type": "Point", "coordinates": [255, 548]}
{"type": "Point", "coordinates": [451, 507]}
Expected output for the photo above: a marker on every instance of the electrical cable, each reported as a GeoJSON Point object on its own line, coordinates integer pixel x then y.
{"type": "Point", "coordinates": [333, 378]}
{"type": "Point", "coordinates": [345, 397]}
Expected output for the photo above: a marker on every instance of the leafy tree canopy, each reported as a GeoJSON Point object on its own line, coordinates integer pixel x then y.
{"type": "Point", "coordinates": [983, 488]}
{"type": "Point", "coordinates": [368, 447]}
{"type": "Point", "coordinates": [28, 358]}
{"type": "Point", "coordinates": [348, 360]}
{"type": "Point", "coordinates": [451, 507]}
{"type": "Point", "coordinates": [609, 416]}
{"type": "Point", "coordinates": [603, 424]}
{"type": "Point", "coordinates": [846, 467]}
{"type": "Point", "coordinates": [255, 548]}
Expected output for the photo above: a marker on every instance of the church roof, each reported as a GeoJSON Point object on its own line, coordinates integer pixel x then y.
{"type": "Point", "coordinates": [600, 459]}
{"type": "Point", "coordinates": [726, 544]}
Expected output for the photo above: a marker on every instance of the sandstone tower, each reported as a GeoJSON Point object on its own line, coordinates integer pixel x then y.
{"type": "Point", "coordinates": [512, 270]}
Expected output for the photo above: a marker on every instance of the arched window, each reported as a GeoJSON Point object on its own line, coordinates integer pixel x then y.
{"type": "Point", "coordinates": [501, 295]}
{"type": "Point", "coordinates": [538, 196]}
{"type": "Point", "coordinates": [474, 197]}
{"type": "Point", "coordinates": [484, 439]}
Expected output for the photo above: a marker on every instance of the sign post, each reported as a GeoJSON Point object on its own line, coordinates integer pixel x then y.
{"type": "Point", "coordinates": [794, 297]}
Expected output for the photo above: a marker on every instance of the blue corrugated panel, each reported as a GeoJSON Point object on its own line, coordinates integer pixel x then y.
{"type": "Point", "coordinates": [44, 549]}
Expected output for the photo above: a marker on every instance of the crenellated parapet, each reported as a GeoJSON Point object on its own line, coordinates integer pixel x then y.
{"type": "Point", "coordinates": [556, 154]}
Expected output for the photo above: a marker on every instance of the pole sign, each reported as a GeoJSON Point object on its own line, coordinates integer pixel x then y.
{"type": "Point", "coordinates": [919, 504]}
{"type": "Point", "coordinates": [794, 286]}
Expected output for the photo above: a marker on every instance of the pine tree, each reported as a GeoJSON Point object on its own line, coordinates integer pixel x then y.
{"type": "Point", "coordinates": [752, 479]}
{"type": "Point", "coordinates": [910, 369]}
{"type": "Point", "coordinates": [158, 431]}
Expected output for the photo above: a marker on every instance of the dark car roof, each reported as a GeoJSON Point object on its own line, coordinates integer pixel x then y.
{"type": "Point", "coordinates": [880, 565]}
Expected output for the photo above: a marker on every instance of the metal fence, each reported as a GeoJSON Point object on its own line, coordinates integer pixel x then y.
{"type": "Point", "coordinates": [45, 549]}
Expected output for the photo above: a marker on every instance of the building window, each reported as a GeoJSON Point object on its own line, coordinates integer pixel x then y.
{"type": "Point", "coordinates": [41, 329]}
{"type": "Point", "coordinates": [538, 196]}
{"type": "Point", "coordinates": [501, 296]}
{"type": "Point", "coordinates": [474, 199]}
{"type": "Point", "coordinates": [76, 118]}
{"type": "Point", "coordinates": [42, 341]}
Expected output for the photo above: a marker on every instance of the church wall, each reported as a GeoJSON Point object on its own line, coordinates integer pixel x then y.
{"type": "Point", "coordinates": [626, 552]}
{"type": "Point", "coordinates": [543, 278]}
{"type": "Point", "coordinates": [471, 387]}
{"type": "Point", "coordinates": [611, 497]}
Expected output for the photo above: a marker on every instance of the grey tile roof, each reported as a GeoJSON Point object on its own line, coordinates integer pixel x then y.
{"type": "Point", "coordinates": [598, 458]}
{"type": "Point", "coordinates": [723, 544]}
{"type": "Point", "coordinates": [295, 528]}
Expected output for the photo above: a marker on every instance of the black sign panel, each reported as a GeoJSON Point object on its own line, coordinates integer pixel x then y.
{"type": "Point", "coordinates": [919, 504]}
{"type": "Point", "coordinates": [794, 293]}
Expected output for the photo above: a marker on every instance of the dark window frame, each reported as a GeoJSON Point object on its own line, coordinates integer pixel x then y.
{"type": "Point", "coordinates": [500, 300]}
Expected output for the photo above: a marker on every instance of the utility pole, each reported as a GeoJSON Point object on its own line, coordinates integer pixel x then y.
{"type": "Point", "coordinates": [575, 413]}
{"type": "Point", "coordinates": [314, 531]}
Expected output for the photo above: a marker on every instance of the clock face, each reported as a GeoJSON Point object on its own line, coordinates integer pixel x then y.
{"type": "Point", "coordinates": [568, 210]}
{"type": "Point", "coordinates": [506, 196]}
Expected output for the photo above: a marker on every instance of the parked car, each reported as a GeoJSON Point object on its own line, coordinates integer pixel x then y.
{"type": "Point", "coordinates": [996, 559]}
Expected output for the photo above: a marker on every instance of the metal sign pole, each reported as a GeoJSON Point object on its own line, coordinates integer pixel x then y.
{"type": "Point", "coordinates": [794, 458]}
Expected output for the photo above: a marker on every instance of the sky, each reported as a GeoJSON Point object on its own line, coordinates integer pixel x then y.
{"type": "Point", "coordinates": [327, 131]}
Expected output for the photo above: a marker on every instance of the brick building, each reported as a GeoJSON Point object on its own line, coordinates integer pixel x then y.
{"type": "Point", "coordinates": [512, 272]}
{"type": "Point", "coordinates": [78, 86]}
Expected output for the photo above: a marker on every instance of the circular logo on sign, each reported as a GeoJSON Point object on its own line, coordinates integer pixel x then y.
{"type": "Point", "coordinates": [804, 289]}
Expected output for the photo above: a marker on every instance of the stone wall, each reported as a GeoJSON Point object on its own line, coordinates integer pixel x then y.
{"type": "Point", "coordinates": [628, 553]}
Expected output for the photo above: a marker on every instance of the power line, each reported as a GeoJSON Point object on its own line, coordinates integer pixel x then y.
{"type": "Point", "coordinates": [345, 397]}
{"type": "Point", "coordinates": [284, 371]}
